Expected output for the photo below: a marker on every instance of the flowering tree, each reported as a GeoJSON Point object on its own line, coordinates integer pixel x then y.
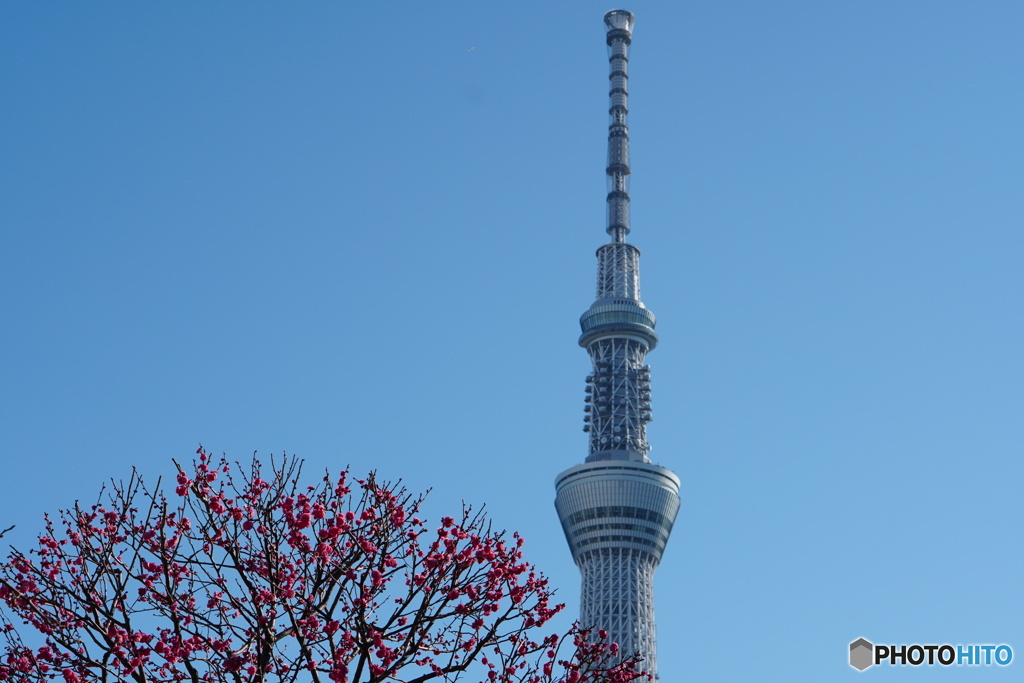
{"type": "Point", "coordinates": [256, 577]}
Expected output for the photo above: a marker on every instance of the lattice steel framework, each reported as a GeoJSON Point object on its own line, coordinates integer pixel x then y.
{"type": "Point", "coordinates": [620, 586]}
{"type": "Point", "coordinates": [617, 509]}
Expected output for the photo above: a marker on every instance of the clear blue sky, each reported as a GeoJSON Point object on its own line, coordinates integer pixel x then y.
{"type": "Point", "coordinates": [363, 233]}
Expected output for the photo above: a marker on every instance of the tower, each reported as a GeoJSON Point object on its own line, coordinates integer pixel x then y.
{"type": "Point", "coordinates": [617, 508]}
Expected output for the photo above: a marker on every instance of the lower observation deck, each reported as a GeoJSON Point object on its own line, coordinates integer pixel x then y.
{"type": "Point", "coordinates": [628, 505]}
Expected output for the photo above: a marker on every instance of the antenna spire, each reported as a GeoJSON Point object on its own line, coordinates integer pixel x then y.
{"type": "Point", "coordinates": [620, 35]}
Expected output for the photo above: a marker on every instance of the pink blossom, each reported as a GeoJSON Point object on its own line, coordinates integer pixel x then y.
{"type": "Point", "coordinates": [229, 561]}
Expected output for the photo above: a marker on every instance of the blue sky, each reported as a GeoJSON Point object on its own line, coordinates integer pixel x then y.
{"type": "Point", "coordinates": [364, 234]}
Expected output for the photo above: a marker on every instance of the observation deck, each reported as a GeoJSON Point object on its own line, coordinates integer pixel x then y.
{"type": "Point", "coordinates": [609, 504]}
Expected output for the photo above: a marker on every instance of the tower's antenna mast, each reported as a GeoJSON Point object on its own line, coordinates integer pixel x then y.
{"type": "Point", "coordinates": [620, 35]}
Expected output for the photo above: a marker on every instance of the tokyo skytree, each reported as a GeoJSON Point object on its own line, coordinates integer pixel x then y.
{"type": "Point", "coordinates": [617, 508]}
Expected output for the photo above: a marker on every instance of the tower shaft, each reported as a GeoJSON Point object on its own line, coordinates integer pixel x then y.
{"type": "Point", "coordinates": [617, 508]}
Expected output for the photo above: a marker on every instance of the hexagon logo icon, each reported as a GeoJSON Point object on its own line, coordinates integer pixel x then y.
{"type": "Point", "coordinates": [862, 654]}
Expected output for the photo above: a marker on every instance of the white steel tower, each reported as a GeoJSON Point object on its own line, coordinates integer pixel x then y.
{"type": "Point", "coordinates": [617, 508]}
